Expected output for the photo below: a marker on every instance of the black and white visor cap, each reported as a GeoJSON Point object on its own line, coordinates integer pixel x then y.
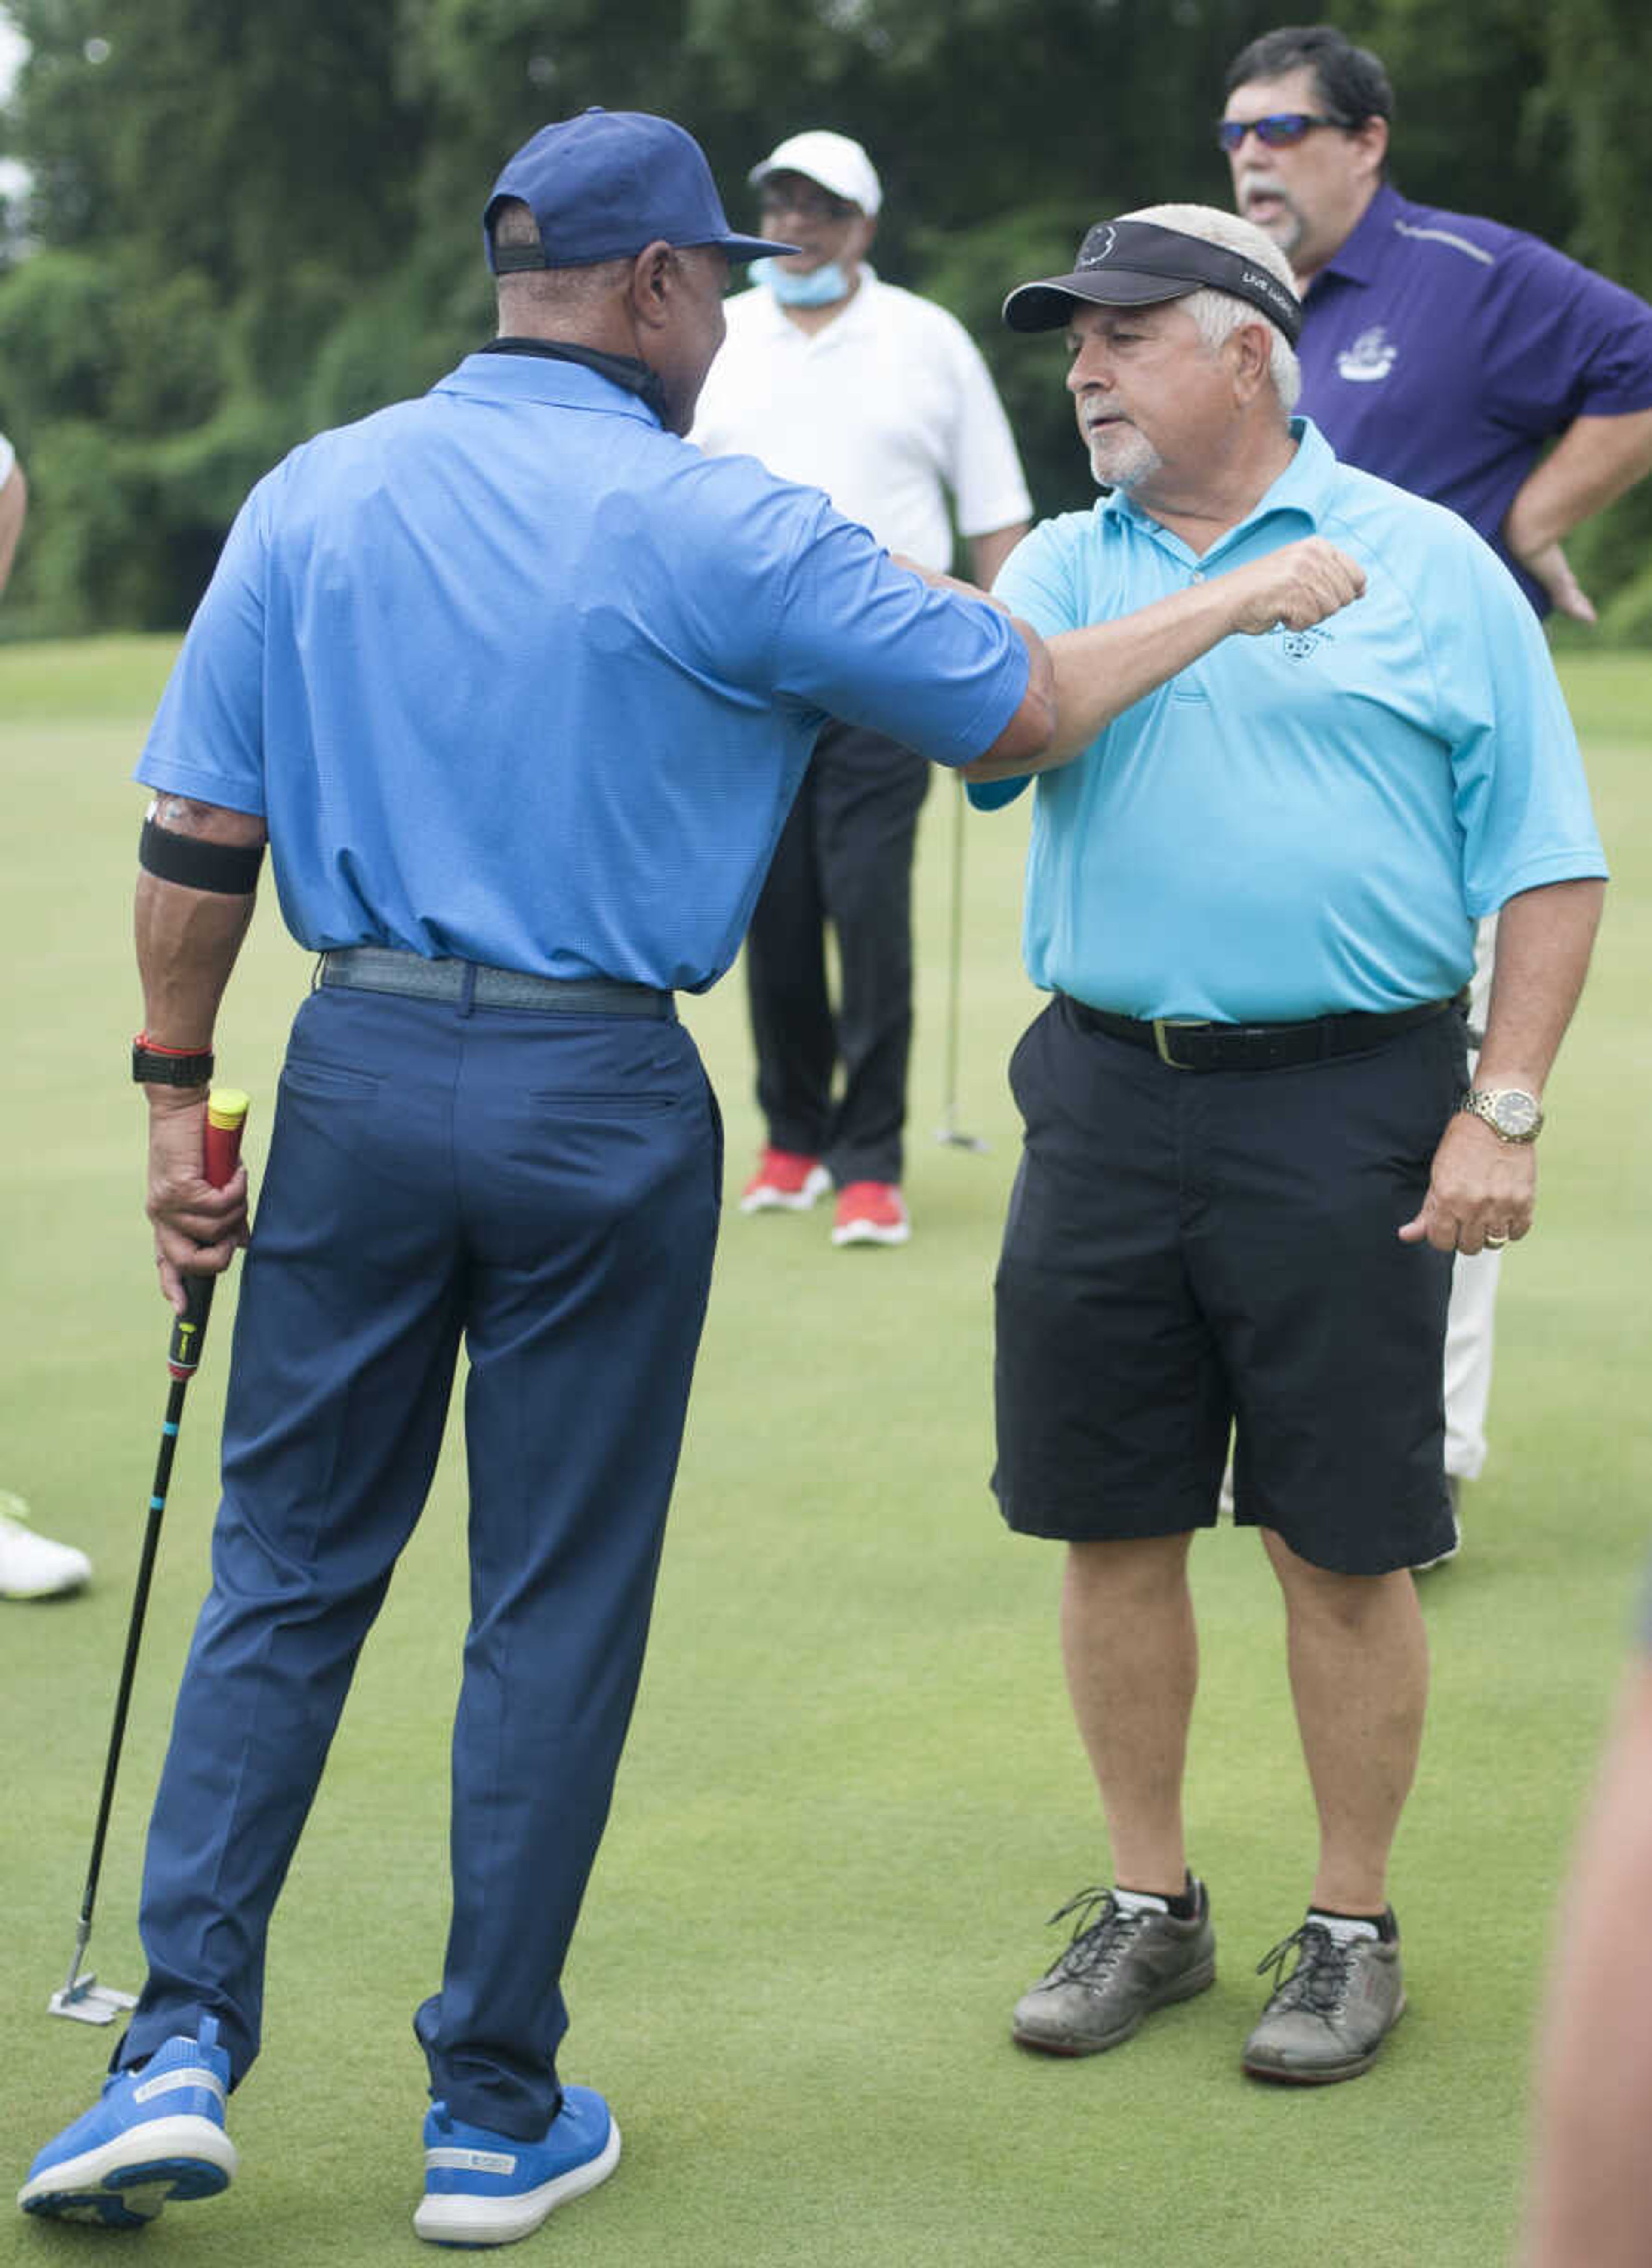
{"type": "Point", "coordinates": [1136, 263]}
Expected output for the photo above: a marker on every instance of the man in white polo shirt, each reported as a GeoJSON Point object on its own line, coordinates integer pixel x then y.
{"type": "Point", "coordinates": [30, 1567]}
{"type": "Point", "coordinates": [13, 503]}
{"type": "Point", "coordinates": [832, 377]}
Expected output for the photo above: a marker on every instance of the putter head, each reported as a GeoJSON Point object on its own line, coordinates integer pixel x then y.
{"type": "Point", "coordinates": [88, 2002]}
{"type": "Point", "coordinates": [947, 1134]}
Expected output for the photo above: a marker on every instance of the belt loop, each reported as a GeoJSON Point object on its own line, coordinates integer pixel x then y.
{"type": "Point", "coordinates": [467, 988]}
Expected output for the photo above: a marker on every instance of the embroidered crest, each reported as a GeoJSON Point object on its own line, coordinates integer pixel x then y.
{"type": "Point", "coordinates": [1093, 254]}
{"type": "Point", "coordinates": [1372, 356]}
{"type": "Point", "coordinates": [1301, 646]}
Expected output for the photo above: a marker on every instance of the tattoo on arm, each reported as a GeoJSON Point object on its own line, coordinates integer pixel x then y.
{"type": "Point", "coordinates": [206, 822]}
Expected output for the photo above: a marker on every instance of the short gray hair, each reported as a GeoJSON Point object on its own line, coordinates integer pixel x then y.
{"type": "Point", "coordinates": [1215, 313]}
{"type": "Point", "coordinates": [554, 288]}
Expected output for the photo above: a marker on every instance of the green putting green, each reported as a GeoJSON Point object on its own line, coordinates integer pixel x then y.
{"type": "Point", "coordinates": [852, 1792]}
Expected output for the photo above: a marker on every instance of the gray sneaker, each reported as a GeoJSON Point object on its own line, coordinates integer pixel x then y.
{"type": "Point", "coordinates": [1330, 2016]}
{"type": "Point", "coordinates": [1118, 1969]}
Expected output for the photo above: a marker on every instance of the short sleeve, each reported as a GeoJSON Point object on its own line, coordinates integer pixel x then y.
{"type": "Point", "coordinates": [1039, 581]}
{"type": "Point", "coordinates": [1562, 342]}
{"type": "Point", "coordinates": [1520, 791]}
{"type": "Point", "coordinates": [868, 642]}
{"type": "Point", "coordinates": [207, 740]}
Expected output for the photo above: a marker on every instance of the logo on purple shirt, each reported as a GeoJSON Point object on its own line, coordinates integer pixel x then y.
{"type": "Point", "coordinates": [1372, 356]}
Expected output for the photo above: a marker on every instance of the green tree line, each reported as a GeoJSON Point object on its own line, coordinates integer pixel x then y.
{"type": "Point", "coordinates": [246, 223]}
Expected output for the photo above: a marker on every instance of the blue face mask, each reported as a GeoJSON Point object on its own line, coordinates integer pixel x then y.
{"type": "Point", "coordinates": [817, 289]}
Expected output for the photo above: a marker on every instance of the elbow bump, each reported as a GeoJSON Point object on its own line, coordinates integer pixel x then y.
{"type": "Point", "coordinates": [1033, 726]}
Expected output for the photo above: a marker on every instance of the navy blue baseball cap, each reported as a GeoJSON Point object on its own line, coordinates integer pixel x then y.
{"type": "Point", "coordinates": [603, 184]}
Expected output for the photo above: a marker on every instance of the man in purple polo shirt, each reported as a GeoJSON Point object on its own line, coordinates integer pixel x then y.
{"type": "Point", "coordinates": [1443, 352]}
{"type": "Point", "coordinates": [1438, 349]}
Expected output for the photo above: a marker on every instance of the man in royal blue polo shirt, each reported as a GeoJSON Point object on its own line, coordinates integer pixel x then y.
{"type": "Point", "coordinates": [1246, 1169]}
{"type": "Point", "coordinates": [518, 688]}
{"type": "Point", "coordinates": [1445, 352]}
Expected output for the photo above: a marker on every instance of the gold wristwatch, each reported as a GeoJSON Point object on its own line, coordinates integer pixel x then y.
{"type": "Point", "coordinates": [1512, 1114]}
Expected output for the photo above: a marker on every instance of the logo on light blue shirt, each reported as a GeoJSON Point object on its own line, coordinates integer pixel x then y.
{"type": "Point", "coordinates": [1301, 646]}
{"type": "Point", "coordinates": [1372, 356]}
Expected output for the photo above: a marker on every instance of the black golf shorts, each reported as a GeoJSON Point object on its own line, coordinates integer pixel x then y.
{"type": "Point", "coordinates": [1189, 1253]}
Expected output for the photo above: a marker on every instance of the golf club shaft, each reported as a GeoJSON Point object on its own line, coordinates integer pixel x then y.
{"type": "Point", "coordinates": [226, 1114]}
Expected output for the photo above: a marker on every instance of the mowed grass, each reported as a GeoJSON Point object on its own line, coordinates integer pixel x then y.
{"type": "Point", "coordinates": [852, 1792]}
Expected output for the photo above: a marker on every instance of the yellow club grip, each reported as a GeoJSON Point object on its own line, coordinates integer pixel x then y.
{"type": "Point", "coordinates": [226, 1109]}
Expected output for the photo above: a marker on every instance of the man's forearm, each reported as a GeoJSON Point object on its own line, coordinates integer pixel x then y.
{"type": "Point", "coordinates": [1100, 671]}
{"type": "Point", "coordinates": [1544, 940]}
{"type": "Point", "coordinates": [187, 939]}
{"type": "Point", "coordinates": [1592, 464]}
{"type": "Point", "coordinates": [1105, 669]}
{"type": "Point", "coordinates": [189, 934]}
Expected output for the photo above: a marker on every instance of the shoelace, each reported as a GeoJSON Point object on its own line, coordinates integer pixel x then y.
{"type": "Point", "coordinates": [1319, 1981]}
{"type": "Point", "coordinates": [1097, 1944]}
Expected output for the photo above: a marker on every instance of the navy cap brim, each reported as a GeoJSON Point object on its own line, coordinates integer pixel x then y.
{"type": "Point", "coordinates": [753, 247]}
{"type": "Point", "coordinates": [1047, 305]}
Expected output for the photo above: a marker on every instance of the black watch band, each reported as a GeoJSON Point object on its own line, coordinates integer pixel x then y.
{"type": "Point", "coordinates": [156, 1067]}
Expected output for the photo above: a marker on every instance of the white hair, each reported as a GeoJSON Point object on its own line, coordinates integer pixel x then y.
{"type": "Point", "coordinates": [1216, 313]}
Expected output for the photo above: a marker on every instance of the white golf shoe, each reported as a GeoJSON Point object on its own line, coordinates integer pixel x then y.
{"type": "Point", "coordinates": [33, 1566]}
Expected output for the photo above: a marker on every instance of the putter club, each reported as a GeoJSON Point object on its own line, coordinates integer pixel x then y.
{"type": "Point", "coordinates": [947, 1131]}
{"type": "Point", "coordinates": [83, 1997]}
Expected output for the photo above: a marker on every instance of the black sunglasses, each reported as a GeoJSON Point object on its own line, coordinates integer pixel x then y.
{"type": "Point", "coordinates": [1281, 131]}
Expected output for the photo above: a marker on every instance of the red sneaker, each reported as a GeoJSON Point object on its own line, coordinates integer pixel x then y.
{"type": "Point", "coordinates": [871, 1213]}
{"type": "Point", "coordinates": [784, 1183]}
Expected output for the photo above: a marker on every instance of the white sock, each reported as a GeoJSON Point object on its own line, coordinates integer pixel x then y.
{"type": "Point", "coordinates": [1139, 1901]}
{"type": "Point", "coordinates": [1343, 1929]}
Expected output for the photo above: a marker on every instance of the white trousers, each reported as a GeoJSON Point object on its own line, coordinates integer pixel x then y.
{"type": "Point", "coordinates": [1470, 1317]}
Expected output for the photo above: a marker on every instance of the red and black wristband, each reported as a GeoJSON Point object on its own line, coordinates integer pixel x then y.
{"type": "Point", "coordinates": [154, 1066]}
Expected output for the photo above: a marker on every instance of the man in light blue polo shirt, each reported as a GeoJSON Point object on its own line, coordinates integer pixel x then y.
{"type": "Point", "coordinates": [1250, 1156]}
{"type": "Point", "coordinates": [519, 687]}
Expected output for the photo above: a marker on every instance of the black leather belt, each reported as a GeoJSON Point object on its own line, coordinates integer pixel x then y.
{"type": "Point", "coordinates": [385, 969]}
{"type": "Point", "coordinates": [1193, 1046]}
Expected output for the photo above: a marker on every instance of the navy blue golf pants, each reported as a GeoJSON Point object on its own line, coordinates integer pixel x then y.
{"type": "Point", "coordinates": [544, 1188]}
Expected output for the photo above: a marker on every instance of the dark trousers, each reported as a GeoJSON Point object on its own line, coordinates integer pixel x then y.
{"type": "Point", "coordinates": [546, 1190]}
{"type": "Point", "coordinates": [844, 857]}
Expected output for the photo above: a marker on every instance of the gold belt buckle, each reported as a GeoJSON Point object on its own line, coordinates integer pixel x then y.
{"type": "Point", "coordinates": [1163, 1024]}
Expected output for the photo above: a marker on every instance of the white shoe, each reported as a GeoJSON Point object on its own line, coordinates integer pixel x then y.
{"type": "Point", "coordinates": [32, 1566]}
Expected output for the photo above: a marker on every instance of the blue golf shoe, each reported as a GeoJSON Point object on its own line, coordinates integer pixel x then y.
{"type": "Point", "coordinates": [481, 2187]}
{"type": "Point", "coordinates": [154, 2134]}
